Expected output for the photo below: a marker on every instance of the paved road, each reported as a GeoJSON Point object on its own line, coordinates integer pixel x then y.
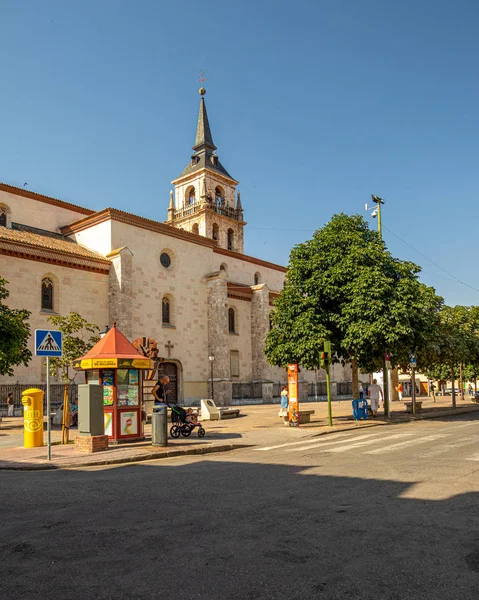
{"type": "Point", "coordinates": [382, 513]}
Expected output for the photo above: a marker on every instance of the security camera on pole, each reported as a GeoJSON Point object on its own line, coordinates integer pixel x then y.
{"type": "Point", "coordinates": [376, 212]}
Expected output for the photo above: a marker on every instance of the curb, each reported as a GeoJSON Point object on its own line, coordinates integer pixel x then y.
{"type": "Point", "coordinates": [124, 459]}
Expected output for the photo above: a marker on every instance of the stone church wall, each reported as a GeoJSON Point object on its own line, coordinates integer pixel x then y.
{"type": "Point", "coordinates": [74, 290]}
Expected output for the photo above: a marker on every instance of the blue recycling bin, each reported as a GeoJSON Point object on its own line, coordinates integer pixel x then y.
{"type": "Point", "coordinates": [360, 409]}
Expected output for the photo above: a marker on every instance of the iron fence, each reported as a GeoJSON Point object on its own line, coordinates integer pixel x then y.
{"type": "Point", "coordinates": [56, 393]}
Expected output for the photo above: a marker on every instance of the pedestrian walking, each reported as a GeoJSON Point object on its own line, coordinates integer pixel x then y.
{"type": "Point", "coordinates": [283, 411]}
{"type": "Point", "coordinates": [375, 395]}
{"type": "Point", "coordinates": [432, 387]}
{"type": "Point", "coordinates": [399, 389]}
{"type": "Point", "coordinates": [361, 392]}
{"type": "Point", "coordinates": [10, 406]}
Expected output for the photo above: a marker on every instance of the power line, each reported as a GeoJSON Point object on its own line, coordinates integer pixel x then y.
{"type": "Point", "coordinates": [431, 261]}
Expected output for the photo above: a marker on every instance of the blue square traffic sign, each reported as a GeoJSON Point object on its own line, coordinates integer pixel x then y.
{"type": "Point", "coordinates": [48, 342]}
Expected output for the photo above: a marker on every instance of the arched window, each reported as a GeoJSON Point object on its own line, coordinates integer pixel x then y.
{"type": "Point", "coordinates": [191, 196]}
{"type": "Point", "coordinates": [195, 228]}
{"type": "Point", "coordinates": [219, 196]}
{"type": "Point", "coordinates": [47, 294]}
{"type": "Point", "coordinates": [216, 232]}
{"type": "Point", "coordinates": [223, 267]}
{"type": "Point", "coordinates": [257, 278]}
{"type": "Point", "coordinates": [231, 320]}
{"type": "Point", "coordinates": [3, 218]}
{"type": "Point", "coordinates": [231, 238]}
{"type": "Point", "coordinates": [165, 311]}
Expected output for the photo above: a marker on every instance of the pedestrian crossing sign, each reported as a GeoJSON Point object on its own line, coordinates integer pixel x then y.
{"type": "Point", "coordinates": [48, 342]}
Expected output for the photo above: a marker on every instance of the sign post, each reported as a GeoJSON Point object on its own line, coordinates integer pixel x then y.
{"type": "Point", "coordinates": [293, 396]}
{"type": "Point", "coordinates": [48, 343]}
{"type": "Point", "coordinates": [325, 361]}
{"type": "Point", "coordinates": [412, 362]}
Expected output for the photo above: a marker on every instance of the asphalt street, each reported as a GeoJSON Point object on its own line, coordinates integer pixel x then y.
{"type": "Point", "coordinates": [388, 512]}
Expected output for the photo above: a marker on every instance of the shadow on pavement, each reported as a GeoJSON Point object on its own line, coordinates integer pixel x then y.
{"type": "Point", "coordinates": [222, 530]}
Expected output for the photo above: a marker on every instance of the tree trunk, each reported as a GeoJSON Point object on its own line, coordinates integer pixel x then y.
{"type": "Point", "coordinates": [394, 385]}
{"type": "Point", "coordinates": [355, 376]}
{"type": "Point", "coordinates": [453, 387]}
{"type": "Point", "coordinates": [461, 382]}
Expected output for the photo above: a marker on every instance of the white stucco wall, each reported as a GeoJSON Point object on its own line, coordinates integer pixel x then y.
{"type": "Point", "coordinates": [38, 214]}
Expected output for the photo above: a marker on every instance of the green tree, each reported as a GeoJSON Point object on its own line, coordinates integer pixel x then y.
{"type": "Point", "coordinates": [14, 334]}
{"type": "Point", "coordinates": [345, 286]}
{"type": "Point", "coordinates": [78, 337]}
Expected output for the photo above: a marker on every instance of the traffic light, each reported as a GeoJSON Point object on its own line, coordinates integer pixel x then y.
{"type": "Point", "coordinates": [324, 359]}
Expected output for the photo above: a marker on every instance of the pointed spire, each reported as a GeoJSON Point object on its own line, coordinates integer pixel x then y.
{"type": "Point", "coordinates": [204, 139]}
{"type": "Point", "coordinates": [239, 206]}
{"type": "Point", "coordinates": [171, 208]}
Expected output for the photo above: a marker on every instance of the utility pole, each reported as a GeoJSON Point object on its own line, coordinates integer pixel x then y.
{"type": "Point", "coordinates": [377, 213]}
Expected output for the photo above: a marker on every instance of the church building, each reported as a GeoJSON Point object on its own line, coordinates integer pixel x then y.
{"type": "Point", "coordinates": [185, 283]}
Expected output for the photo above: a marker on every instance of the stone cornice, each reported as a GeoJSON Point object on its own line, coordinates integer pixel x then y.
{"type": "Point", "coordinates": [251, 259]}
{"type": "Point", "coordinates": [112, 214]}
{"type": "Point", "coordinates": [16, 191]}
{"type": "Point", "coordinates": [213, 173]}
{"type": "Point", "coordinates": [54, 257]}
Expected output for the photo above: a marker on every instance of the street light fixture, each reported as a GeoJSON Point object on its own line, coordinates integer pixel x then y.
{"type": "Point", "coordinates": [212, 358]}
{"type": "Point", "coordinates": [105, 331]}
{"type": "Point", "coordinates": [376, 210]}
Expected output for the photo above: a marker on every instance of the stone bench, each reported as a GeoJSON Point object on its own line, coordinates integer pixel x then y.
{"type": "Point", "coordinates": [304, 417]}
{"type": "Point", "coordinates": [211, 412]}
{"type": "Point", "coordinates": [408, 406]}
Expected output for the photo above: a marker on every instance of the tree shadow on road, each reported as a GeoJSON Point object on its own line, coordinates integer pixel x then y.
{"type": "Point", "coordinates": [231, 530]}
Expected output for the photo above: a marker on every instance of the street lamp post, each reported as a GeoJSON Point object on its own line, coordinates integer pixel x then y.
{"type": "Point", "coordinates": [105, 331]}
{"type": "Point", "coordinates": [212, 358]}
{"type": "Point", "coordinates": [377, 213]}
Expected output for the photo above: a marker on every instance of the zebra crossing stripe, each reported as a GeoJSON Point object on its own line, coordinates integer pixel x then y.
{"type": "Point", "coordinates": [360, 444]}
{"type": "Point", "coordinates": [423, 440]}
{"type": "Point", "coordinates": [330, 436]}
{"type": "Point", "coordinates": [451, 446]}
{"type": "Point", "coordinates": [321, 443]}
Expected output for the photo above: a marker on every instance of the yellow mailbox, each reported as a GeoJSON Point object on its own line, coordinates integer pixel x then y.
{"type": "Point", "coordinates": [32, 401]}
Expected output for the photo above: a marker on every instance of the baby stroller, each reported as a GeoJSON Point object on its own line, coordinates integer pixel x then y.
{"type": "Point", "coordinates": [180, 424]}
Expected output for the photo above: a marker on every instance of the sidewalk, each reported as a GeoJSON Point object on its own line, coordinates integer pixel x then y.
{"type": "Point", "coordinates": [258, 424]}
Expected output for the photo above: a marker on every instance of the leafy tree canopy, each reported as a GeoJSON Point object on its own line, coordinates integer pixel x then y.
{"type": "Point", "coordinates": [78, 337]}
{"type": "Point", "coordinates": [14, 334]}
{"type": "Point", "coordinates": [345, 286]}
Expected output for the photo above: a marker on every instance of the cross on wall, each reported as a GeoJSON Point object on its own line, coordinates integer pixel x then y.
{"type": "Point", "coordinates": [169, 346]}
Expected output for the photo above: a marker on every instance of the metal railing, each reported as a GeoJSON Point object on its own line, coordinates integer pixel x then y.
{"type": "Point", "coordinates": [56, 393]}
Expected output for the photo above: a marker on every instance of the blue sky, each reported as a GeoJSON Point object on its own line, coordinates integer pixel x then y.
{"type": "Point", "coordinates": [313, 105]}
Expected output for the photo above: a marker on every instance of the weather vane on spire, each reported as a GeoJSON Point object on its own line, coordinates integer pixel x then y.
{"type": "Point", "coordinates": [201, 79]}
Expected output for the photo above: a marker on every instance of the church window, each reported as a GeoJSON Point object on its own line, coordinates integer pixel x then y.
{"type": "Point", "coordinates": [234, 363]}
{"type": "Point", "coordinates": [195, 228]}
{"type": "Point", "coordinates": [216, 232]}
{"type": "Point", "coordinates": [165, 259]}
{"type": "Point", "coordinates": [165, 311]}
{"type": "Point", "coordinates": [219, 196]}
{"type": "Point", "coordinates": [231, 320]}
{"type": "Point", "coordinates": [47, 294]}
{"type": "Point", "coordinates": [3, 218]}
{"type": "Point", "coordinates": [257, 278]}
{"type": "Point", "coordinates": [191, 196]}
{"type": "Point", "coordinates": [231, 236]}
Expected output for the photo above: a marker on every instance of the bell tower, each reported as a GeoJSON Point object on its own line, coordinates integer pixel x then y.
{"type": "Point", "coordinates": [205, 199]}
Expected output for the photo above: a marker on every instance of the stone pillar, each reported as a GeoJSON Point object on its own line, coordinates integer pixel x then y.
{"type": "Point", "coordinates": [120, 290]}
{"type": "Point", "coordinates": [218, 341]}
{"type": "Point", "coordinates": [259, 330]}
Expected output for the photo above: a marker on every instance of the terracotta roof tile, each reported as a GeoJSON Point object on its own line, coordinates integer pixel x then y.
{"type": "Point", "coordinates": [35, 240]}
